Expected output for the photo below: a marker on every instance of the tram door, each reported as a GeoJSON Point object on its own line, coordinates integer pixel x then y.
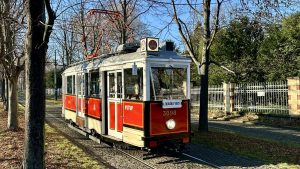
{"type": "Point", "coordinates": [115, 95]}
{"type": "Point", "coordinates": [81, 104]}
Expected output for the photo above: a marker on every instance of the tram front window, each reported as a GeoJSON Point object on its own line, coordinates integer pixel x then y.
{"type": "Point", "coordinates": [168, 83]}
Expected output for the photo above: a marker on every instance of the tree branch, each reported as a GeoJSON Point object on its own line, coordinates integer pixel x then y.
{"type": "Point", "coordinates": [217, 19]}
{"type": "Point", "coordinates": [140, 14]}
{"type": "Point", "coordinates": [193, 8]}
{"type": "Point", "coordinates": [224, 67]}
{"type": "Point", "coordinates": [188, 34]}
{"type": "Point", "coordinates": [50, 22]}
{"type": "Point", "coordinates": [186, 42]}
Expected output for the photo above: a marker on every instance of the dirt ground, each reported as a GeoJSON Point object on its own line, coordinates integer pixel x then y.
{"type": "Point", "coordinates": [60, 153]}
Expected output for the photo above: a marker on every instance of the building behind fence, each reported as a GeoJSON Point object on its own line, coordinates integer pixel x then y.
{"type": "Point", "coordinates": [281, 98]}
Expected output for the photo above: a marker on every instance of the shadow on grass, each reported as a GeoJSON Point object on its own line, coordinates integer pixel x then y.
{"type": "Point", "coordinates": [268, 152]}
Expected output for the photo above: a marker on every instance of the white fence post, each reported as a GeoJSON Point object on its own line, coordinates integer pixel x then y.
{"type": "Point", "coordinates": [228, 89]}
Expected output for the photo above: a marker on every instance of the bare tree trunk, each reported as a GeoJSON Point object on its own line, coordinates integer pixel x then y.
{"type": "Point", "coordinates": [3, 90]}
{"type": "Point", "coordinates": [124, 23]}
{"type": "Point", "coordinates": [12, 122]}
{"type": "Point", "coordinates": [6, 95]}
{"type": "Point", "coordinates": [35, 86]}
{"type": "Point", "coordinates": [203, 115]}
{"type": "Point", "coordinates": [37, 39]}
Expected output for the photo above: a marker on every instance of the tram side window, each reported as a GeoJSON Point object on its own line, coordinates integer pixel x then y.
{"type": "Point", "coordinates": [112, 89]}
{"type": "Point", "coordinates": [69, 84]}
{"type": "Point", "coordinates": [79, 81]}
{"type": "Point", "coordinates": [133, 84]}
{"type": "Point", "coordinates": [73, 85]}
{"type": "Point", "coordinates": [94, 85]}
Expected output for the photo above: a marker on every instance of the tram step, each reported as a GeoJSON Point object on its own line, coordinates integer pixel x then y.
{"type": "Point", "coordinates": [111, 138]}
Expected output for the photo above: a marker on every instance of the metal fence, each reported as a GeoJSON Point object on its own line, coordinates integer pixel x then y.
{"type": "Point", "coordinates": [52, 92]}
{"type": "Point", "coordinates": [269, 97]}
{"type": "Point", "coordinates": [215, 98]}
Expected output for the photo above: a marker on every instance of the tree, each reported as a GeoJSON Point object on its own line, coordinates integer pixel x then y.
{"type": "Point", "coordinates": [279, 52]}
{"type": "Point", "coordinates": [266, 12]}
{"type": "Point", "coordinates": [2, 86]}
{"type": "Point", "coordinates": [37, 38]}
{"type": "Point", "coordinates": [67, 42]}
{"type": "Point", "coordinates": [202, 12]}
{"type": "Point", "coordinates": [207, 39]}
{"type": "Point", "coordinates": [237, 46]}
{"type": "Point", "coordinates": [11, 53]}
{"type": "Point", "coordinates": [128, 24]}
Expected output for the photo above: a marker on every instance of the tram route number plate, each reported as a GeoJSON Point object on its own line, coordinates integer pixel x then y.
{"type": "Point", "coordinates": [174, 103]}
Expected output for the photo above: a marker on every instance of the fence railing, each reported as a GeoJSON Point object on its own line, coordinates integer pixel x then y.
{"type": "Point", "coordinates": [215, 98]}
{"type": "Point", "coordinates": [52, 92]}
{"type": "Point", "coordinates": [269, 97]}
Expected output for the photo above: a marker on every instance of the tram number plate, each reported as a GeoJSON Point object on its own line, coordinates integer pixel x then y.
{"type": "Point", "coordinates": [175, 103]}
{"type": "Point", "coordinates": [169, 112]}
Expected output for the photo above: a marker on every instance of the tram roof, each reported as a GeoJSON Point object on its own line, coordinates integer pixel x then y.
{"type": "Point", "coordinates": [123, 58]}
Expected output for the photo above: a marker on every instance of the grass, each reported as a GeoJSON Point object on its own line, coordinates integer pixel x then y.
{"type": "Point", "coordinates": [270, 152]}
{"type": "Point", "coordinates": [59, 152]}
{"type": "Point", "coordinates": [60, 147]}
{"type": "Point", "coordinates": [53, 101]}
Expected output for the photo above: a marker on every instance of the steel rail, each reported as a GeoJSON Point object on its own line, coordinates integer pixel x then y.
{"type": "Point", "coordinates": [201, 160]}
{"type": "Point", "coordinates": [140, 160]}
{"type": "Point", "coordinates": [96, 139]}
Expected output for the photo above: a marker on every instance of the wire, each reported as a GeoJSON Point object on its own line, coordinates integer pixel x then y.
{"type": "Point", "coordinates": [180, 4]}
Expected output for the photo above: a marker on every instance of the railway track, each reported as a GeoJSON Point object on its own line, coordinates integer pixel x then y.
{"type": "Point", "coordinates": [142, 161]}
{"type": "Point", "coordinates": [128, 154]}
{"type": "Point", "coordinates": [201, 160]}
{"type": "Point", "coordinates": [118, 150]}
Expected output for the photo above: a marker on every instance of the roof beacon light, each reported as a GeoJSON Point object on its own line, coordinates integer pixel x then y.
{"type": "Point", "coordinates": [149, 45]}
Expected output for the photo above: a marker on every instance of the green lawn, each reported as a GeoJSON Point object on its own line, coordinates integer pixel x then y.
{"type": "Point", "coordinates": [270, 152]}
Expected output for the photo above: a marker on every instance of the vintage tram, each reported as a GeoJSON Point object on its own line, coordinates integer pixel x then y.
{"type": "Point", "coordinates": [136, 96]}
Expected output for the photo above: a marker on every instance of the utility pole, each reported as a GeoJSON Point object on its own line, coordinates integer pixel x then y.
{"type": "Point", "coordinates": [55, 81]}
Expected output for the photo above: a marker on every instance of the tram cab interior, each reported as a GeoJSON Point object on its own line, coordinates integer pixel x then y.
{"type": "Point", "coordinates": [140, 98]}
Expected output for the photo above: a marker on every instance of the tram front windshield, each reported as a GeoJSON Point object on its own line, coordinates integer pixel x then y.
{"type": "Point", "coordinates": [168, 83]}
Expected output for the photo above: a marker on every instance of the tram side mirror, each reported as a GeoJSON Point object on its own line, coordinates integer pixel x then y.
{"type": "Point", "coordinates": [134, 69]}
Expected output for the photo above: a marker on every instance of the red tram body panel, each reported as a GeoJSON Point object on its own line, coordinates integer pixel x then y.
{"type": "Point", "coordinates": [159, 116]}
{"type": "Point", "coordinates": [94, 108]}
{"type": "Point", "coordinates": [112, 109]}
{"type": "Point", "coordinates": [119, 117]}
{"type": "Point", "coordinates": [133, 114]}
{"type": "Point", "coordinates": [70, 102]}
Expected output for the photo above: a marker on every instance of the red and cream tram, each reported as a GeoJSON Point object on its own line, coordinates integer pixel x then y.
{"type": "Point", "coordinates": [140, 98]}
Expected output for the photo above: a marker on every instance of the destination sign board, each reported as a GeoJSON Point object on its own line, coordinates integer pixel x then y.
{"type": "Point", "coordinates": [173, 103]}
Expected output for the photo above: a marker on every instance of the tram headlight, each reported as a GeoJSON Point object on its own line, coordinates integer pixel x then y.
{"type": "Point", "coordinates": [170, 124]}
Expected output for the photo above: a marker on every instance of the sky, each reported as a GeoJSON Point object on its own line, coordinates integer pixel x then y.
{"type": "Point", "coordinates": [159, 19]}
